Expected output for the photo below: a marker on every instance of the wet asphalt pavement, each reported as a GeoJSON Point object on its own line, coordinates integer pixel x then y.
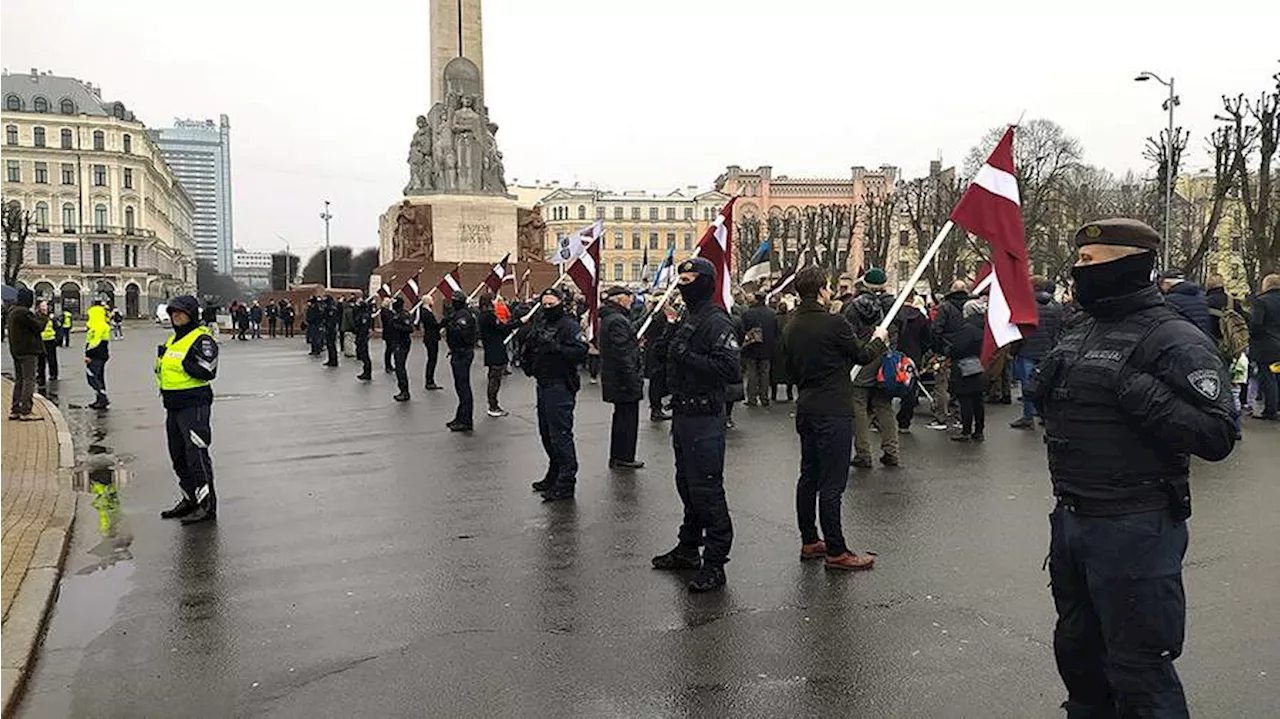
{"type": "Point", "coordinates": [367, 562]}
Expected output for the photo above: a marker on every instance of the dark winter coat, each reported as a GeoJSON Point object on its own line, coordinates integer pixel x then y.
{"type": "Point", "coordinates": [821, 350]}
{"type": "Point", "coordinates": [948, 321]}
{"type": "Point", "coordinates": [1189, 300]}
{"type": "Point", "coordinates": [778, 373]}
{"type": "Point", "coordinates": [1217, 298]}
{"type": "Point", "coordinates": [655, 349]}
{"type": "Point", "coordinates": [967, 342]}
{"type": "Point", "coordinates": [255, 314]}
{"type": "Point", "coordinates": [1048, 328]}
{"type": "Point", "coordinates": [429, 324]}
{"type": "Point", "coordinates": [25, 326]}
{"type": "Point", "coordinates": [620, 374]}
{"type": "Point", "coordinates": [493, 334]}
{"type": "Point", "coordinates": [863, 314]}
{"type": "Point", "coordinates": [1264, 328]}
{"type": "Point", "coordinates": [913, 333]}
{"type": "Point", "coordinates": [762, 318]}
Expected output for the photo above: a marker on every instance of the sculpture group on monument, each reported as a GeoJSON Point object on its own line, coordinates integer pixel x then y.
{"type": "Point", "coordinates": [455, 149]}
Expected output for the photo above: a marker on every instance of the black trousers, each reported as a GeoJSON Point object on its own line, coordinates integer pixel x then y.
{"type": "Point", "coordinates": [460, 363]}
{"type": "Point", "coordinates": [95, 374]}
{"type": "Point", "coordinates": [826, 443]}
{"type": "Point", "coordinates": [331, 345]}
{"type": "Point", "coordinates": [1117, 588]}
{"type": "Point", "coordinates": [622, 433]}
{"type": "Point", "coordinates": [556, 402]}
{"type": "Point", "coordinates": [288, 329]}
{"type": "Point", "coordinates": [388, 354]}
{"type": "Point", "coordinates": [973, 413]}
{"type": "Point", "coordinates": [494, 385]}
{"type": "Point", "coordinates": [271, 327]}
{"type": "Point", "coordinates": [657, 390]}
{"type": "Point", "coordinates": [907, 409]}
{"type": "Point", "coordinates": [47, 365]}
{"type": "Point", "coordinates": [433, 356]}
{"type": "Point", "coordinates": [698, 442]}
{"type": "Point", "coordinates": [189, 438]}
{"type": "Point", "coordinates": [400, 360]}
{"type": "Point", "coordinates": [362, 354]}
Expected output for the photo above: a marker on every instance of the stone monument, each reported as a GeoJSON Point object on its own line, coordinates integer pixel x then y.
{"type": "Point", "coordinates": [455, 208]}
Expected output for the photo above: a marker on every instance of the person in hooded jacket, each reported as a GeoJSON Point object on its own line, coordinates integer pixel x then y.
{"type": "Point", "coordinates": [913, 340]}
{"type": "Point", "coordinates": [97, 352]}
{"type": "Point", "coordinates": [621, 380]}
{"type": "Point", "coordinates": [1035, 347]}
{"type": "Point", "coordinates": [27, 349]}
{"type": "Point", "coordinates": [864, 313]}
{"type": "Point", "coordinates": [185, 368]}
{"type": "Point", "coordinates": [1187, 298]}
{"type": "Point", "coordinates": [461, 331]}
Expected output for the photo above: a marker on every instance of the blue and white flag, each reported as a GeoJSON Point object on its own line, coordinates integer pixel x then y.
{"type": "Point", "coordinates": [663, 276]}
{"type": "Point", "coordinates": [758, 267]}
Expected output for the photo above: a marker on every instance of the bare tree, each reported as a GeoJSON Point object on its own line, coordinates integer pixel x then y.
{"type": "Point", "coordinates": [878, 211]}
{"type": "Point", "coordinates": [1255, 136]}
{"type": "Point", "coordinates": [1224, 175]}
{"type": "Point", "coordinates": [18, 224]}
{"type": "Point", "coordinates": [927, 202]}
{"type": "Point", "coordinates": [1157, 153]}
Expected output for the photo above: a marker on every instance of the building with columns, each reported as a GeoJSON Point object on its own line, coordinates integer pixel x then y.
{"type": "Point", "coordinates": [111, 221]}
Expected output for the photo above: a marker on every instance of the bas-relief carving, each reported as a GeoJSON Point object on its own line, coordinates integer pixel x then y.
{"type": "Point", "coordinates": [530, 231]}
{"type": "Point", "coordinates": [455, 149]}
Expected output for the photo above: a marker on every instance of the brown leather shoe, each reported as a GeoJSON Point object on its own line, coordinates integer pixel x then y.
{"type": "Point", "coordinates": [817, 550]}
{"type": "Point", "coordinates": [850, 561]}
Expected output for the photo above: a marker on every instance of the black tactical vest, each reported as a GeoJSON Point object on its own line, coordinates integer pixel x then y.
{"type": "Point", "coordinates": [1095, 453]}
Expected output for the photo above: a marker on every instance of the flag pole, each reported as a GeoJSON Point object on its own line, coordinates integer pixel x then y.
{"type": "Point", "coordinates": [665, 297]}
{"type": "Point", "coordinates": [910, 287]}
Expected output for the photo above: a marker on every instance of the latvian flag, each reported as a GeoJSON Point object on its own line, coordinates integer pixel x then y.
{"type": "Point", "coordinates": [716, 245]}
{"type": "Point", "coordinates": [991, 210]}
{"type": "Point", "coordinates": [585, 273]}
{"type": "Point", "coordinates": [411, 289]}
{"type": "Point", "coordinates": [384, 292]}
{"type": "Point", "coordinates": [500, 273]}
{"type": "Point", "coordinates": [449, 284]}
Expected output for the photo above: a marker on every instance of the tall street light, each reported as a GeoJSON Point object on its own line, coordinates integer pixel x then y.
{"type": "Point", "coordinates": [328, 262]}
{"type": "Point", "coordinates": [1169, 179]}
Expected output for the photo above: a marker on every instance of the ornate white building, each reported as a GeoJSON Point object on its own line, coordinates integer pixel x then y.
{"type": "Point", "coordinates": [111, 220]}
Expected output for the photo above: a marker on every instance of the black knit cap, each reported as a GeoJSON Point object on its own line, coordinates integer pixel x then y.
{"type": "Point", "coordinates": [1122, 231]}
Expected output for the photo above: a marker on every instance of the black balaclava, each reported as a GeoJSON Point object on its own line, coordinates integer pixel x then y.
{"type": "Point", "coordinates": [1117, 278]}
{"type": "Point", "coordinates": [459, 301]}
{"type": "Point", "coordinates": [698, 293]}
{"type": "Point", "coordinates": [552, 314]}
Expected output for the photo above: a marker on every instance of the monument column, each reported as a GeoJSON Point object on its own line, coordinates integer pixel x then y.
{"type": "Point", "coordinates": [456, 31]}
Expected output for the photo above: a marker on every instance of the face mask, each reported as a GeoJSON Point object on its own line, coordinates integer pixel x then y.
{"type": "Point", "coordinates": [699, 291]}
{"type": "Point", "coordinates": [553, 312]}
{"type": "Point", "coordinates": [1116, 278]}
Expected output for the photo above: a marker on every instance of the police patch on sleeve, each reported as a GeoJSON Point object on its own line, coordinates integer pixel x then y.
{"type": "Point", "coordinates": [206, 349]}
{"type": "Point", "coordinates": [1207, 382]}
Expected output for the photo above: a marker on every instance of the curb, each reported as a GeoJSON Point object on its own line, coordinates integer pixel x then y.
{"type": "Point", "coordinates": [29, 613]}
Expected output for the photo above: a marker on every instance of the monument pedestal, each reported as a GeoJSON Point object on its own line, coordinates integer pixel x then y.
{"type": "Point", "coordinates": [450, 228]}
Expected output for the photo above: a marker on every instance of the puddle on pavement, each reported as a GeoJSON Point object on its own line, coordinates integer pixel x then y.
{"type": "Point", "coordinates": [104, 484]}
{"type": "Point", "coordinates": [231, 396]}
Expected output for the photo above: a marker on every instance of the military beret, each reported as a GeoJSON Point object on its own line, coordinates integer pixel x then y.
{"type": "Point", "coordinates": [699, 265]}
{"type": "Point", "coordinates": [1121, 231]}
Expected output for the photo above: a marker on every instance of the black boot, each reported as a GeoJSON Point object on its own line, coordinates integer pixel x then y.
{"type": "Point", "coordinates": [402, 397]}
{"type": "Point", "coordinates": [543, 485]}
{"type": "Point", "coordinates": [677, 559]}
{"type": "Point", "coordinates": [179, 510]}
{"type": "Point", "coordinates": [203, 513]}
{"type": "Point", "coordinates": [708, 579]}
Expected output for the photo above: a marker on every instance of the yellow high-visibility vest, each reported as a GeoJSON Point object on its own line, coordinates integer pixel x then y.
{"type": "Point", "coordinates": [48, 334]}
{"type": "Point", "coordinates": [170, 374]}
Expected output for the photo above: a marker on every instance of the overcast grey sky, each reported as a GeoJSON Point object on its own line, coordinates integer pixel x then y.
{"type": "Point", "coordinates": [648, 94]}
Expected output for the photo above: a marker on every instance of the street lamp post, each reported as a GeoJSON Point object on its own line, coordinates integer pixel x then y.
{"type": "Point", "coordinates": [1169, 178]}
{"type": "Point", "coordinates": [328, 262]}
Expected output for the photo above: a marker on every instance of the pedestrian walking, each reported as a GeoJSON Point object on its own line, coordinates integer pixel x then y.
{"type": "Point", "coordinates": [186, 365]}
{"type": "Point", "coordinates": [621, 379]}
{"type": "Point", "coordinates": [1131, 390]}
{"type": "Point", "coordinates": [493, 335]}
{"type": "Point", "coordinates": [117, 325]}
{"type": "Point", "coordinates": [760, 342]}
{"type": "Point", "coordinates": [968, 377]}
{"type": "Point", "coordinates": [97, 352]}
{"type": "Point", "coordinates": [702, 361]}
{"type": "Point", "coordinates": [554, 347]}
{"type": "Point", "coordinates": [461, 333]}
{"type": "Point", "coordinates": [430, 342]}
{"type": "Point", "coordinates": [26, 347]}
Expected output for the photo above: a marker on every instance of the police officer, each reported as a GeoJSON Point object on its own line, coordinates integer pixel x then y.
{"type": "Point", "coordinates": [312, 323]}
{"type": "Point", "coordinates": [332, 318]}
{"type": "Point", "coordinates": [273, 316]}
{"type": "Point", "coordinates": [461, 332]}
{"type": "Point", "coordinates": [186, 364]}
{"type": "Point", "coordinates": [702, 361]}
{"type": "Point", "coordinates": [1131, 390]}
{"type": "Point", "coordinates": [97, 352]}
{"type": "Point", "coordinates": [553, 347]}
{"type": "Point", "coordinates": [361, 325]}
{"type": "Point", "coordinates": [67, 322]}
{"type": "Point", "coordinates": [397, 331]}
{"type": "Point", "coordinates": [287, 316]}
{"type": "Point", "coordinates": [49, 337]}
{"type": "Point", "coordinates": [430, 341]}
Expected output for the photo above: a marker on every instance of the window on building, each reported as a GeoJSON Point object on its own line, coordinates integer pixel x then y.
{"type": "Point", "coordinates": [599, 212]}
{"type": "Point", "coordinates": [106, 255]}
{"type": "Point", "coordinates": [635, 213]}
{"type": "Point", "coordinates": [653, 214]}
{"type": "Point", "coordinates": [67, 106]}
{"type": "Point", "coordinates": [617, 271]}
{"type": "Point", "coordinates": [40, 104]}
{"type": "Point", "coordinates": [636, 269]}
{"type": "Point", "coordinates": [13, 103]}
{"type": "Point", "coordinates": [617, 239]}
{"type": "Point", "coordinates": [68, 218]}
{"type": "Point", "coordinates": [128, 220]}
{"type": "Point", "coordinates": [12, 171]}
{"type": "Point", "coordinates": [688, 213]}
{"type": "Point", "coordinates": [99, 218]}
{"type": "Point", "coordinates": [37, 136]}
{"type": "Point", "coordinates": [100, 175]}
{"type": "Point", "coordinates": [42, 217]}
{"type": "Point", "coordinates": [1235, 243]}
{"type": "Point", "coordinates": [635, 240]}
{"type": "Point", "coordinates": [68, 173]}
{"type": "Point", "coordinates": [904, 270]}
{"type": "Point", "coordinates": [582, 212]}
{"type": "Point", "coordinates": [42, 253]}
{"type": "Point", "coordinates": [127, 179]}
{"type": "Point", "coordinates": [688, 240]}
{"type": "Point", "coordinates": [653, 240]}
{"type": "Point", "coordinates": [42, 173]}
{"type": "Point", "coordinates": [65, 134]}
{"type": "Point", "coordinates": [617, 213]}
{"type": "Point", "coordinates": [70, 253]}
{"type": "Point", "coordinates": [99, 140]}
{"type": "Point", "coordinates": [10, 134]}
{"type": "Point", "coordinates": [671, 240]}
{"type": "Point", "coordinates": [1235, 272]}
{"type": "Point", "coordinates": [128, 144]}
{"type": "Point", "coordinates": [671, 213]}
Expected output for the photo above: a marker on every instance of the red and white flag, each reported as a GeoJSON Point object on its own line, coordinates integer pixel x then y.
{"type": "Point", "coordinates": [500, 273]}
{"type": "Point", "coordinates": [585, 273]}
{"type": "Point", "coordinates": [384, 291]}
{"type": "Point", "coordinates": [716, 245]}
{"type": "Point", "coordinates": [449, 284]}
{"type": "Point", "coordinates": [411, 290]}
{"type": "Point", "coordinates": [990, 209]}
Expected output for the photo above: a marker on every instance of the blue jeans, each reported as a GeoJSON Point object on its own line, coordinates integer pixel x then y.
{"type": "Point", "coordinates": [1023, 368]}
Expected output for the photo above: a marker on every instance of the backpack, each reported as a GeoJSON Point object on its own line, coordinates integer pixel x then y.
{"type": "Point", "coordinates": [1233, 334]}
{"type": "Point", "coordinates": [897, 374]}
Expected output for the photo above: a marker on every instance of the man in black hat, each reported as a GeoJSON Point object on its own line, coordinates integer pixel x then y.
{"type": "Point", "coordinates": [397, 330]}
{"type": "Point", "coordinates": [185, 367]}
{"type": "Point", "coordinates": [461, 332]}
{"type": "Point", "coordinates": [702, 361]}
{"type": "Point", "coordinates": [1130, 391]}
{"type": "Point", "coordinates": [621, 379]}
{"type": "Point", "coordinates": [553, 348]}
